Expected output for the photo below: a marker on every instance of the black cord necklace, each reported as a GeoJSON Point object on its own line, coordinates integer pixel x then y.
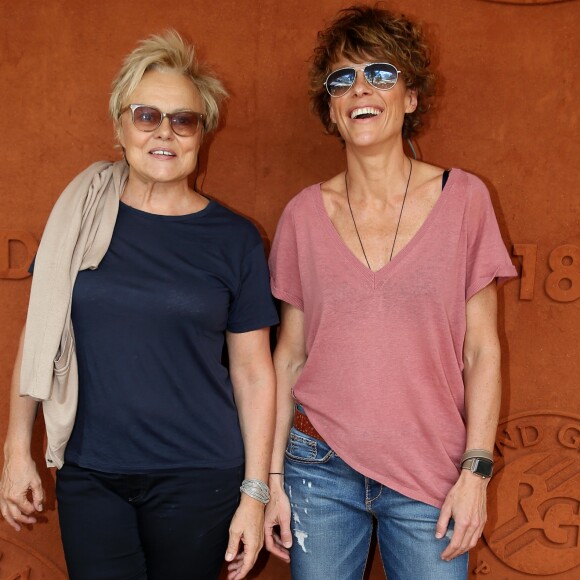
{"type": "Point", "coordinates": [398, 223]}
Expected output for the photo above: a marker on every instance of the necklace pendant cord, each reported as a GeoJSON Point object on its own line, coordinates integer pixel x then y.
{"type": "Point", "coordinates": [398, 222]}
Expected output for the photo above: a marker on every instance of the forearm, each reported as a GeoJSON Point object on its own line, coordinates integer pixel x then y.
{"type": "Point", "coordinates": [23, 411]}
{"type": "Point", "coordinates": [481, 372]}
{"type": "Point", "coordinates": [482, 397]}
{"type": "Point", "coordinates": [21, 493]}
{"type": "Point", "coordinates": [256, 409]}
{"type": "Point", "coordinates": [286, 377]}
{"type": "Point", "coordinates": [466, 501]}
{"type": "Point", "coordinates": [289, 360]}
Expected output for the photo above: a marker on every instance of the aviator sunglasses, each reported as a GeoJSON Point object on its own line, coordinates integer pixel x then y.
{"type": "Point", "coordinates": [183, 123]}
{"type": "Point", "coordinates": [380, 75]}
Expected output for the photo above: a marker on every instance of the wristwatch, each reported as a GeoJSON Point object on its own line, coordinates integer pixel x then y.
{"type": "Point", "coordinates": [479, 466]}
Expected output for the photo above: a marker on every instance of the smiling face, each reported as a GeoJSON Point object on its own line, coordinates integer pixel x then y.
{"type": "Point", "coordinates": [367, 116]}
{"type": "Point", "coordinates": [161, 155]}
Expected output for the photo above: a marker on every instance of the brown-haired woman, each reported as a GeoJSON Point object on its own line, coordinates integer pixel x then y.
{"type": "Point", "coordinates": [388, 356]}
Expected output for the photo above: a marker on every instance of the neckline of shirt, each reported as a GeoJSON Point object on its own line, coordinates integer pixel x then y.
{"type": "Point", "coordinates": [385, 271]}
{"type": "Point", "coordinates": [172, 218]}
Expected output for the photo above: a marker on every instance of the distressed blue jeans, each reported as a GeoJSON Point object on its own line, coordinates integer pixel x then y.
{"type": "Point", "coordinates": [333, 507]}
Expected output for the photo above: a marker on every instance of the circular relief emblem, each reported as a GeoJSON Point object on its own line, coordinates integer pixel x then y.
{"type": "Point", "coordinates": [527, 1]}
{"type": "Point", "coordinates": [534, 513]}
{"type": "Point", "coordinates": [21, 562]}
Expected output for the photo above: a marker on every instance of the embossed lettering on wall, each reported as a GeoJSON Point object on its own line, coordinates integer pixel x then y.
{"type": "Point", "coordinates": [534, 524]}
{"type": "Point", "coordinates": [19, 561]}
{"type": "Point", "coordinates": [10, 267]}
{"type": "Point", "coordinates": [562, 283]}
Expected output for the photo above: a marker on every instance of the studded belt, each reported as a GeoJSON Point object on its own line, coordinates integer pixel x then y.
{"type": "Point", "coordinates": [303, 424]}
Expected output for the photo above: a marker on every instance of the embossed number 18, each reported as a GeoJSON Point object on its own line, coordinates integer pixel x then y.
{"type": "Point", "coordinates": [563, 283]}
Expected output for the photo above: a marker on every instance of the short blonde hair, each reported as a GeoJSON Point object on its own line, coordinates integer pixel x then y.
{"type": "Point", "coordinates": [167, 52]}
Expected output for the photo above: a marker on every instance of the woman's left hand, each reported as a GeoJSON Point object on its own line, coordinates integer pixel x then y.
{"type": "Point", "coordinates": [246, 537]}
{"type": "Point", "coordinates": [466, 505]}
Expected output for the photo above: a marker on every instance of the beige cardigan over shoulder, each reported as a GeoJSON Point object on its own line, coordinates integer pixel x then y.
{"type": "Point", "coordinates": [76, 237]}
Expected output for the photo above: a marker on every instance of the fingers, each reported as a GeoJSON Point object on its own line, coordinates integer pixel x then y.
{"type": "Point", "coordinates": [278, 536]}
{"type": "Point", "coordinates": [243, 562]}
{"type": "Point", "coordinates": [269, 536]}
{"type": "Point", "coordinates": [465, 537]}
{"type": "Point", "coordinates": [240, 563]}
{"type": "Point", "coordinates": [234, 566]}
{"type": "Point", "coordinates": [465, 503]}
{"type": "Point", "coordinates": [285, 532]}
{"type": "Point", "coordinates": [233, 545]}
{"type": "Point", "coordinates": [14, 516]}
{"type": "Point", "coordinates": [37, 495]}
{"type": "Point", "coordinates": [19, 479]}
{"type": "Point", "coordinates": [248, 561]}
{"type": "Point", "coordinates": [18, 509]}
{"type": "Point", "coordinates": [8, 516]}
{"type": "Point", "coordinates": [443, 521]}
{"type": "Point", "coordinates": [275, 545]}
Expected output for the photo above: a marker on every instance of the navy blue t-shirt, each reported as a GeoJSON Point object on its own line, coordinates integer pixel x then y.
{"type": "Point", "coordinates": [149, 327]}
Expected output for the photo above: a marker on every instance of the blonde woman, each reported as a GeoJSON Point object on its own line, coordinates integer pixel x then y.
{"type": "Point", "coordinates": [148, 278]}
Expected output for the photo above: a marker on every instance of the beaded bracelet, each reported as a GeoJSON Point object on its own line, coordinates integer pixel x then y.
{"type": "Point", "coordinates": [256, 489]}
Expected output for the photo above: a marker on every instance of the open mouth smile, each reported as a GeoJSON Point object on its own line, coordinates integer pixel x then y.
{"type": "Point", "coordinates": [365, 113]}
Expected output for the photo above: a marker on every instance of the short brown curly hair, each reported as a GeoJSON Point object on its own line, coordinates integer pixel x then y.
{"type": "Point", "coordinates": [360, 33]}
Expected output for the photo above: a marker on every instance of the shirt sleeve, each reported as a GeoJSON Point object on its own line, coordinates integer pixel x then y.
{"type": "Point", "coordinates": [285, 279]}
{"type": "Point", "coordinates": [253, 306]}
{"type": "Point", "coordinates": [487, 257]}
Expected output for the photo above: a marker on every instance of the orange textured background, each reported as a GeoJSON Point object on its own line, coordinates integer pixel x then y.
{"type": "Point", "coordinates": [508, 112]}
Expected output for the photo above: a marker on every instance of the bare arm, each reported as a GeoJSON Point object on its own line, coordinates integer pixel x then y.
{"type": "Point", "coordinates": [466, 502]}
{"type": "Point", "coordinates": [289, 360]}
{"type": "Point", "coordinates": [19, 475]}
{"type": "Point", "coordinates": [254, 384]}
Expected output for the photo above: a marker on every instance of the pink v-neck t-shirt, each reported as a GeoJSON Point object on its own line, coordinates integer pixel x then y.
{"type": "Point", "coordinates": [383, 379]}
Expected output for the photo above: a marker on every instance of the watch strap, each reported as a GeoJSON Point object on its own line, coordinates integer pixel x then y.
{"type": "Point", "coordinates": [482, 453]}
{"type": "Point", "coordinates": [475, 464]}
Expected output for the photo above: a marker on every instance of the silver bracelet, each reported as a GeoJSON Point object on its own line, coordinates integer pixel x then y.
{"type": "Point", "coordinates": [256, 489]}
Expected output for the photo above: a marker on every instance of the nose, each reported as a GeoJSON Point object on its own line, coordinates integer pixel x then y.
{"type": "Point", "coordinates": [361, 86]}
{"type": "Point", "coordinates": [165, 131]}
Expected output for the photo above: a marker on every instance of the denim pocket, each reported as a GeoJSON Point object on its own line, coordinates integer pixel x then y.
{"type": "Point", "coordinates": [305, 449]}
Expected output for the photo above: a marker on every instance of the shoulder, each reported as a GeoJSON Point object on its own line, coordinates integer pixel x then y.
{"type": "Point", "coordinates": [88, 175]}
{"type": "Point", "coordinates": [468, 188]}
{"type": "Point", "coordinates": [238, 226]}
{"type": "Point", "coordinates": [93, 179]}
{"type": "Point", "coordinates": [303, 201]}
{"type": "Point", "coordinates": [99, 169]}
{"type": "Point", "coordinates": [469, 182]}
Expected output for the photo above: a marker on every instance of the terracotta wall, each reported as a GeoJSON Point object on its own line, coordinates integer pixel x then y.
{"type": "Point", "coordinates": [508, 112]}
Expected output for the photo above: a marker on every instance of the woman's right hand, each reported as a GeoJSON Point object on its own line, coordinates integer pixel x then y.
{"type": "Point", "coordinates": [278, 514]}
{"type": "Point", "coordinates": [19, 485]}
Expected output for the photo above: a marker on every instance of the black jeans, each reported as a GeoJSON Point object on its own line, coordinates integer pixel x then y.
{"type": "Point", "coordinates": [158, 526]}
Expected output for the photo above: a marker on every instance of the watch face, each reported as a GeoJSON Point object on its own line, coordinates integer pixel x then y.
{"type": "Point", "coordinates": [483, 467]}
